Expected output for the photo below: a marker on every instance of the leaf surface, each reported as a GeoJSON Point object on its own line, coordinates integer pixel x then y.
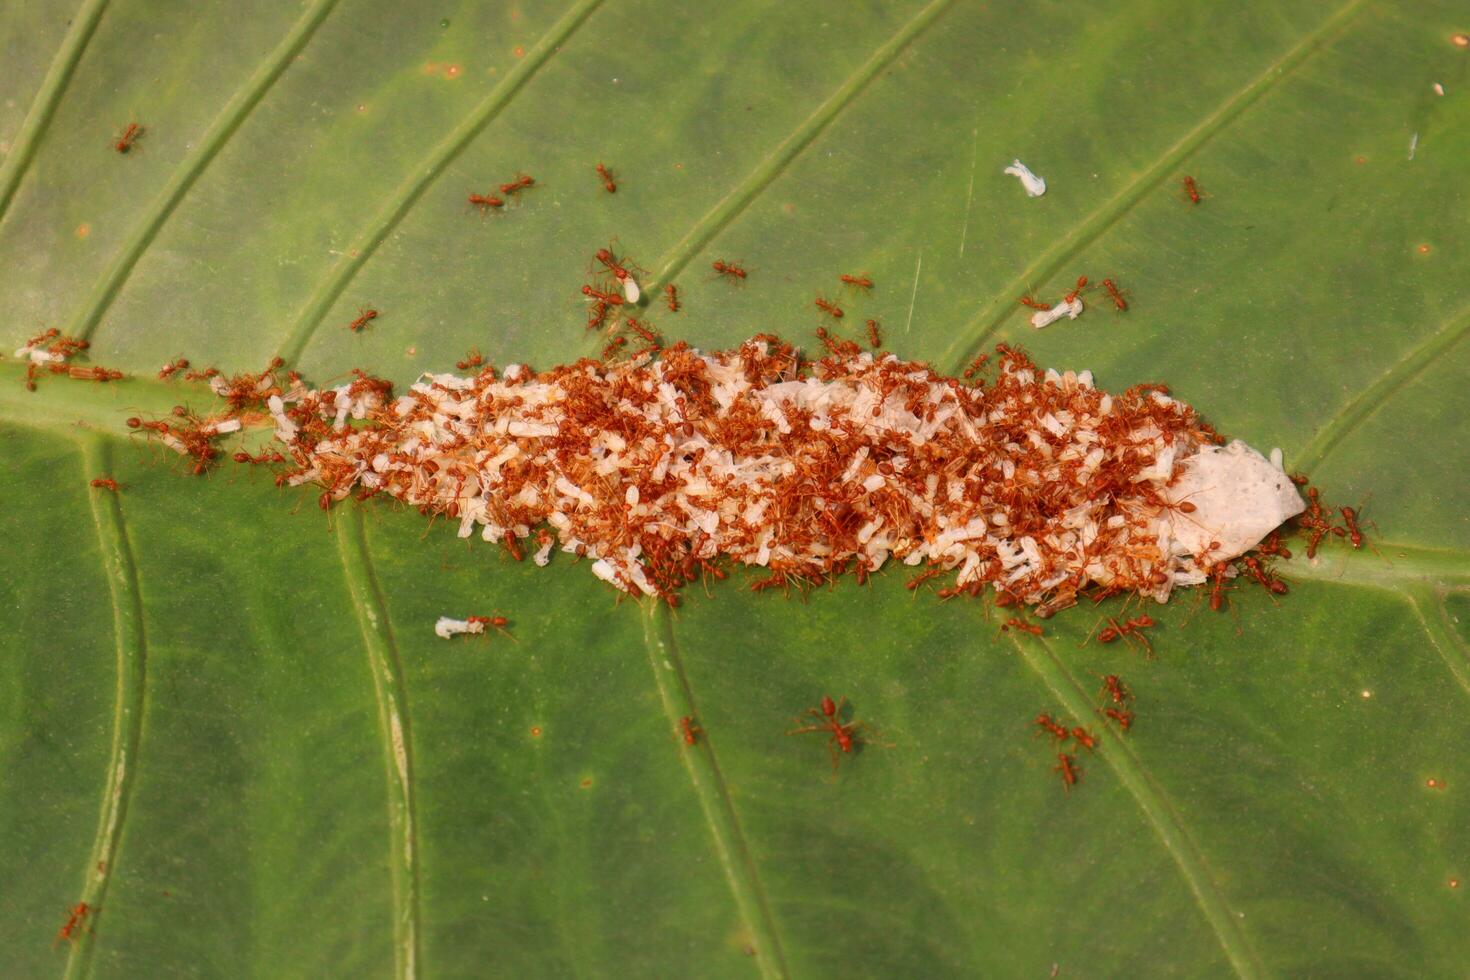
{"type": "Point", "coordinates": [227, 723]}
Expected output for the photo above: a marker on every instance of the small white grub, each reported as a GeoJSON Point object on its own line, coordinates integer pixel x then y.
{"type": "Point", "coordinates": [1069, 308]}
{"type": "Point", "coordinates": [448, 627]}
{"type": "Point", "coordinates": [630, 289]}
{"type": "Point", "coordinates": [1239, 497]}
{"type": "Point", "coordinates": [1035, 186]}
{"type": "Point", "coordinates": [1438, 89]}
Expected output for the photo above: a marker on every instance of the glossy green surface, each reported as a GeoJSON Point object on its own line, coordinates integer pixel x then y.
{"type": "Point", "coordinates": [225, 721]}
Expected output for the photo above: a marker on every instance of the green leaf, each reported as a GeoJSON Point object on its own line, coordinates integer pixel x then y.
{"type": "Point", "coordinates": [228, 727]}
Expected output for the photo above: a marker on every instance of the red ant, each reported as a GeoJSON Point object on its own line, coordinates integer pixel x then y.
{"type": "Point", "coordinates": [74, 920]}
{"type": "Point", "coordinates": [1217, 590]}
{"type": "Point", "coordinates": [495, 622]}
{"type": "Point", "coordinates": [1067, 766]}
{"type": "Point", "coordinates": [168, 370]}
{"type": "Point", "coordinates": [1275, 585]}
{"type": "Point", "coordinates": [1192, 189]}
{"type": "Point", "coordinates": [923, 577]}
{"type": "Point", "coordinates": [1115, 295]}
{"type": "Point", "coordinates": [1076, 290]}
{"type": "Point", "coordinates": [512, 544]}
{"type": "Point", "coordinates": [608, 184]}
{"type": "Point", "coordinates": [642, 330]}
{"type": "Point", "coordinates": [1035, 304]}
{"type": "Point", "coordinates": [1355, 534]}
{"type": "Point", "coordinates": [976, 365]}
{"type": "Point", "coordinates": [1084, 738]}
{"type": "Point", "coordinates": [728, 269]}
{"type": "Point", "coordinates": [609, 299]}
{"type": "Point", "coordinates": [843, 736]}
{"type": "Point", "coordinates": [521, 181]}
{"type": "Point", "coordinates": [128, 138]}
{"type": "Point", "coordinates": [244, 457]}
{"type": "Point", "coordinates": [874, 338]}
{"type": "Point", "coordinates": [1132, 627]}
{"type": "Point", "coordinates": [861, 282]}
{"type": "Point", "coordinates": [1114, 687]}
{"type": "Point", "coordinates": [1316, 520]}
{"type": "Point", "coordinates": [830, 309]}
{"type": "Point", "coordinates": [356, 325]}
{"type": "Point", "coordinates": [1273, 546]}
{"type": "Point", "coordinates": [1021, 624]}
{"type": "Point", "coordinates": [485, 201]}
{"type": "Point", "coordinates": [672, 293]}
{"type": "Point", "coordinates": [689, 729]}
{"type": "Point", "coordinates": [1045, 722]}
{"type": "Point", "coordinates": [1123, 717]}
{"type": "Point", "coordinates": [471, 360]}
{"type": "Point", "coordinates": [623, 276]}
{"type": "Point", "coordinates": [105, 483]}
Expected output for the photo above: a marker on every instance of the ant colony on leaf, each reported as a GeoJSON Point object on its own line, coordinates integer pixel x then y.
{"type": "Point", "coordinates": [1036, 484]}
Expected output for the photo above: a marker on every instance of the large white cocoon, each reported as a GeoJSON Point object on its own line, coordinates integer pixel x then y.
{"type": "Point", "coordinates": [1239, 497]}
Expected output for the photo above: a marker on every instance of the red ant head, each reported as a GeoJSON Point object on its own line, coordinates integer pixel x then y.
{"type": "Point", "coordinates": [829, 708]}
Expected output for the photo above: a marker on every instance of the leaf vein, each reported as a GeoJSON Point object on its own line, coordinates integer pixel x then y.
{"type": "Point", "coordinates": [48, 97]}
{"type": "Point", "coordinates": [677, 697]}
{"type": "Point", "coordinates": [1002, 306]}
{"type": "Point", "coordinates": [727, 210]}
{"type": "Point", "coordinates": [396, 208]}
{"type": "Point", "coordinates": [1157, 810]}
{"type": "Point", "coordinates": [162, 208]}
{"type": "Point", "coordinates": [391, 692]}
{"type": "Point", "coordinates": [130, 638]}
{"type": "Point", "coordinates": [1401, 375]}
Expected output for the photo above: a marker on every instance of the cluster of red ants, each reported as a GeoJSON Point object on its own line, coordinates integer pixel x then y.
{"type": "Point", "coordinates": [57, 352]}
{"type": "Point", "coordinates": [1115, 294]}
{"type": "Point", "coordinates": [844, 737]}
{"type": "Point", "coordinates": [1114, 691]}
{"type": "Point", "coordinates": [1109, 286]}
{"type": "Point", "coordinates": [836, 345]}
